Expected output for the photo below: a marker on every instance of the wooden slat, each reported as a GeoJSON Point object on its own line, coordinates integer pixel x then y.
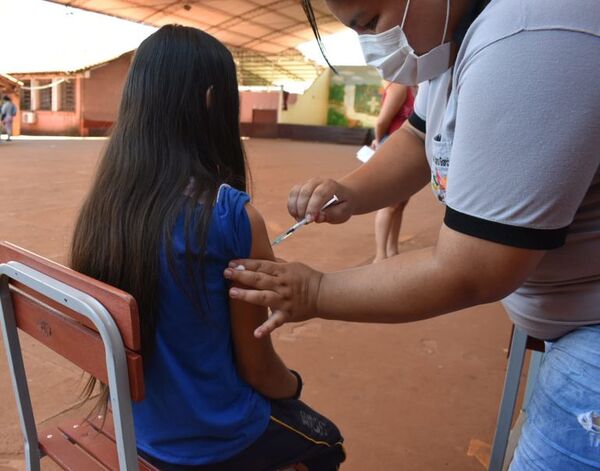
{"type": "Point", "coordinates": [68, 456]}
{"type": "Point", "coordinates": [145, 466]}
{"type": "Point", "coordinates": [338, 135]}
{"type": "Point", "coordinates": [98, 443]}
{"type": "Point", "coordinates": [75, 342]}
{"type": "Point", "coordinates": [531, 343]}
{"type": "Point", "coordinates": [104, 424]}
{"type": "Point", "coordinates": [536, 344]}
{"type": "Point", "coordinates": [53, 304]}
{"type": "Point", "coordinates": [297, 132]}
{"type": "Point", "coordinates": [107, 427]}
{"type": "Point", "coordinates": [121, 305]}
{"type": "Point", "coordinates": [93, 442]}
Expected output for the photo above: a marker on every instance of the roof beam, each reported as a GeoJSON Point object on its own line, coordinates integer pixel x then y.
{"type": "Point", "coordinates": [240, 53]}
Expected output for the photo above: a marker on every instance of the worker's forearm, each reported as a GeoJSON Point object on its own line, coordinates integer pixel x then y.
{"type": "Point", "coordinates": [397, 171]}
{"type": "Point", "coordinates": [405, 288]}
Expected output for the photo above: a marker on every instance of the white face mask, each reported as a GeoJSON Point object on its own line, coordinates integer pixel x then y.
{"type": "Point", "coordinates": [396, 61]}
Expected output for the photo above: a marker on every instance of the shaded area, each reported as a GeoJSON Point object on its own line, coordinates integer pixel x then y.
{"type": "Point", "coordinates": [422, 396]}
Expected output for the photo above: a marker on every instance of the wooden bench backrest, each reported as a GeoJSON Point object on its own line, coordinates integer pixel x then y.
{"type": "Point", "coordinates": [67, 332]}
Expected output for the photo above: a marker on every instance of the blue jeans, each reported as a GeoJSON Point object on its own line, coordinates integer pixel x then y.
{"type": "Point", "coordinates": [562, 430]}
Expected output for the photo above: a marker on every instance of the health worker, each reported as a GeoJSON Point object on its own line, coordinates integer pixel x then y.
{"type": "Point", "coordinates": [506, 131]}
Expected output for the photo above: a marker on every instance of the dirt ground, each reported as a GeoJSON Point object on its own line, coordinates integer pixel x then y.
{"type": "Point", "coordinates": [422, 396]}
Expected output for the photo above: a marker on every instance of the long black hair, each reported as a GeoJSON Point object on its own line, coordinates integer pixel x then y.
{"type": "Point", "coordinates": [312, 21]}
{"type": "Point", "coordinates": [178, 122]}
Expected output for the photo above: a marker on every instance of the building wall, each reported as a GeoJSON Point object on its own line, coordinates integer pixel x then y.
{"type": "Point", "coordinates": [354, 97]}
{"type": "Point", "coordinates": [366, 120]}
{"type": "Point", "coordinates": [97, 98]}
{"type": "Point", "coordinates": [53, 122]}
{"type": "Point", "coordinates": [311, 107]}
{"type": "Point", "coordinates": [250, 101]}
{"type": "Point", "coordinates": [102, 90]}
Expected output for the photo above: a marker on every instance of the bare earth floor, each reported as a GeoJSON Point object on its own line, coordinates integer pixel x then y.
{"type": "Point", "coordinates": [406, 397]}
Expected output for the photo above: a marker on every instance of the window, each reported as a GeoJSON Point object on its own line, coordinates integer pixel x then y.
{"type": "Point", "coordinates": [26, 96]}
{"type": "Point", "coordinates": [45, 95]}
{"type": "Point", "coordinates": [67, 96]}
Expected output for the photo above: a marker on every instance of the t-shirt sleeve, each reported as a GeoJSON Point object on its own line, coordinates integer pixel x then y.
{"type": "Point", "coordinates": [234, 222]}
{"type": "Point", "coordinates": [526, 143]}
{"type": "Point", "coordinates": [418, 118]}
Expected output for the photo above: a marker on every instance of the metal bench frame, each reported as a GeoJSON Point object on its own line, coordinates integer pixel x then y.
{"type": "Point", "coordinates": [516, 358]}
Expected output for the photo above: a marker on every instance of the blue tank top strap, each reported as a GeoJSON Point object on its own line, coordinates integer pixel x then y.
{"type": "Point", "coordinates": [230, 209]}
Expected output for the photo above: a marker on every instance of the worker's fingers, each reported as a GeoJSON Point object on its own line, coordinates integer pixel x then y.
{"type": "Point", "coordinates": [258, 297]}
{"type": "Point", "coordinates": [289, 289]}
{"type": "Point", "coordinates": [263, 266]}
{"type": "Point", "coordinates": [306, 200]}
{"type": "Point", "coordinates": [292, 201]}
{"type": "Point", "coordinates": [275, 320]}
{"type": "Point", "coordinates": [321, 194]}
{"type": "Point", "coordinates": [251, 279]}
{"type": "Point", "coordinates": [300, 196]}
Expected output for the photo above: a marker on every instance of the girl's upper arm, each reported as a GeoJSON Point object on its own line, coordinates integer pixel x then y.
{"type": "Point", "coordinates": [253, 355]}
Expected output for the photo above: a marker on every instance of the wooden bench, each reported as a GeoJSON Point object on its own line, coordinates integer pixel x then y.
{"type": "Point", "coordinates": [93, 325]}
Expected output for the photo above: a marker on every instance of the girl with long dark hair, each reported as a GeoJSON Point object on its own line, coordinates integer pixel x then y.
{"type": "Point", "coordinates": [167, 211]}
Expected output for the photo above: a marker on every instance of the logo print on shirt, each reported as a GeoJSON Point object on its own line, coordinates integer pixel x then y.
{"type": "Point", "coordinates": [439, 168]}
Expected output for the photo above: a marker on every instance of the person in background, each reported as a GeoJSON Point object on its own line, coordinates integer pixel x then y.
{"type": "Point", "coordinates": [396, 106]}
{"type": "Point", "coordinates": [166, 212]}
{"type": "Point", "coordinates": [8, 112]}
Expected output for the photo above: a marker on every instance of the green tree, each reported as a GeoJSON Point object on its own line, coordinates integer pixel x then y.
{"type": "Point", "coordinates": [336, 94]}
{"type": "Point", "coordinates": [336, 118]}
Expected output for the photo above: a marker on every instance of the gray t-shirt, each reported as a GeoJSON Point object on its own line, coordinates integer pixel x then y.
{"type": "Point", "coordinates": [513, 141]}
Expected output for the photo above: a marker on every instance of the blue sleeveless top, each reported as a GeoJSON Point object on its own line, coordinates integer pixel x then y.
{"type": "Point", "coordinates": [197, 409]}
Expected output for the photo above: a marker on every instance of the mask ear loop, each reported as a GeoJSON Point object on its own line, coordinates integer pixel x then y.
{"type": "Point", "coordinates": [447, 19]}
{"type": "Point", "coordinates": [405, 15]}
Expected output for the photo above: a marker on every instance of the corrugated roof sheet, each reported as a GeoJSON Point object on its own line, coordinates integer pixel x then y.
{"type": "Point", "coordinates": [8, 82]}
{"type": "Point", "coordinates": [262, 34]}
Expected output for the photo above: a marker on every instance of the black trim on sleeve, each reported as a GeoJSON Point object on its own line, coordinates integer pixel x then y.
{"type": "Point", "coordinates": [418, 122]}
{"type": "Point", "coordinates": [515, 236]}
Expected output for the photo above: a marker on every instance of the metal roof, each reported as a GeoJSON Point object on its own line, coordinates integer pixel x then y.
{"type": "Point", "coordinates": [67, 72]}
{"type": "Point", "coordinates": [9, 83]}
{"type": "Point", "coordinates": [262, 34]}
